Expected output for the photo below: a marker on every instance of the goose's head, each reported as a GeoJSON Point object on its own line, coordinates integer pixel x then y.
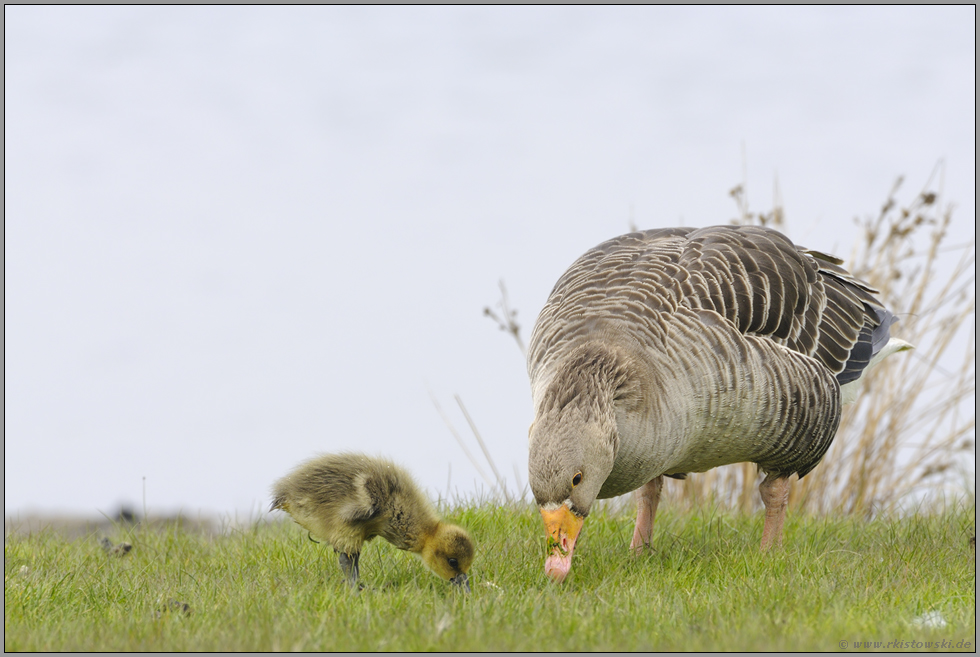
{"type": "Point", "coordinates": [449, 553]}
{"type": "Point", "coordinates": [571, 455]}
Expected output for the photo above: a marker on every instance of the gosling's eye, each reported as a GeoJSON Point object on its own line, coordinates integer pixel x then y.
{"type": "Point", "coordinates": [454, 564]}
{"type": "Point", "coordinates": [577, 479]}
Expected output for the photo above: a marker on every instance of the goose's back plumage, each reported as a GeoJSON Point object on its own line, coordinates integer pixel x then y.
{"type": "Point", "coordinates": [724, 344]}
{"type": "Point", "coordinates": [753, 277]}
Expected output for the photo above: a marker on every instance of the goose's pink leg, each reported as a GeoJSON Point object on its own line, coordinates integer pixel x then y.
{"type": "Point", "coordinates": [775, 495]}
{"type": "Point", "coordinates": [647, 499]}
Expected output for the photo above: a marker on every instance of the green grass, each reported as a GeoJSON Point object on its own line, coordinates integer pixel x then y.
{"type": "Point", "coordinates": [705, 587]}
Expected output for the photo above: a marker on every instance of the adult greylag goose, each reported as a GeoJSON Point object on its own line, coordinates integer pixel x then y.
{"type": "Point", "coordinates": [677, 350]}
{"type": "Point", "coordinates": [347, 499]}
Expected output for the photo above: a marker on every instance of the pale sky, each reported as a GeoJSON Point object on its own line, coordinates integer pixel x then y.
{"type": "Point", "coordinates": [239, 236]}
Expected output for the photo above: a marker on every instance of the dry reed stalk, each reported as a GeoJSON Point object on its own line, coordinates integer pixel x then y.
{"type": "Point", "coordinates": [915, 420]}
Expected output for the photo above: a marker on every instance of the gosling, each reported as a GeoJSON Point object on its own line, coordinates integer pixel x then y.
{"type": "Point", "coordinates": [347, 499]}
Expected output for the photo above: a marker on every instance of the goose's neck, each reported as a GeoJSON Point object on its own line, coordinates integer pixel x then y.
{"type": "Point", "coordinates": [593, 371]}
{"type": "Point", "coordinates": [589, 384]}
{"type": "Point", "coordinates": [622, 394]}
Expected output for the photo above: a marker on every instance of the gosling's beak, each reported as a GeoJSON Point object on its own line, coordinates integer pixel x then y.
{"type": "Point", "coordinates": [563, 528]}
{"type": "Point", "coordinates": [461, 581]}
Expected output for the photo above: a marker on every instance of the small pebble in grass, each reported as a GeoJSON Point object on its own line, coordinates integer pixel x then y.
{"type": "Point", "coordinates": [443, 624]}
{"type": "Point", "coordinates": [929, 620]}
{"type": "Point", "coordinates": [174, 607]}
{"type": "Point", "coordinates": [24, 571]}
{"type": "Point", "coordinates": [120, 550]}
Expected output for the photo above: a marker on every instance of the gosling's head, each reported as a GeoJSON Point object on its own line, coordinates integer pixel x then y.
{"type": "Point", "coordinates": [449, 553]}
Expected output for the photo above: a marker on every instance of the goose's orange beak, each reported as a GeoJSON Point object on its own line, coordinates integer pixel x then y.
{"type": "Point", "coordinates": [563, 528]}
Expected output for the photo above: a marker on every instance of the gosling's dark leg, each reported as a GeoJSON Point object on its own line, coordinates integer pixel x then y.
{"type": "Point", "coordinates": [348, 564]}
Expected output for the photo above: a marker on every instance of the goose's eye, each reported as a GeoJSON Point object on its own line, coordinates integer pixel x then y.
{"type": "Point", "coordinates": [577, 479]}
{"type": "Point", "coordinates": [454, 564]}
